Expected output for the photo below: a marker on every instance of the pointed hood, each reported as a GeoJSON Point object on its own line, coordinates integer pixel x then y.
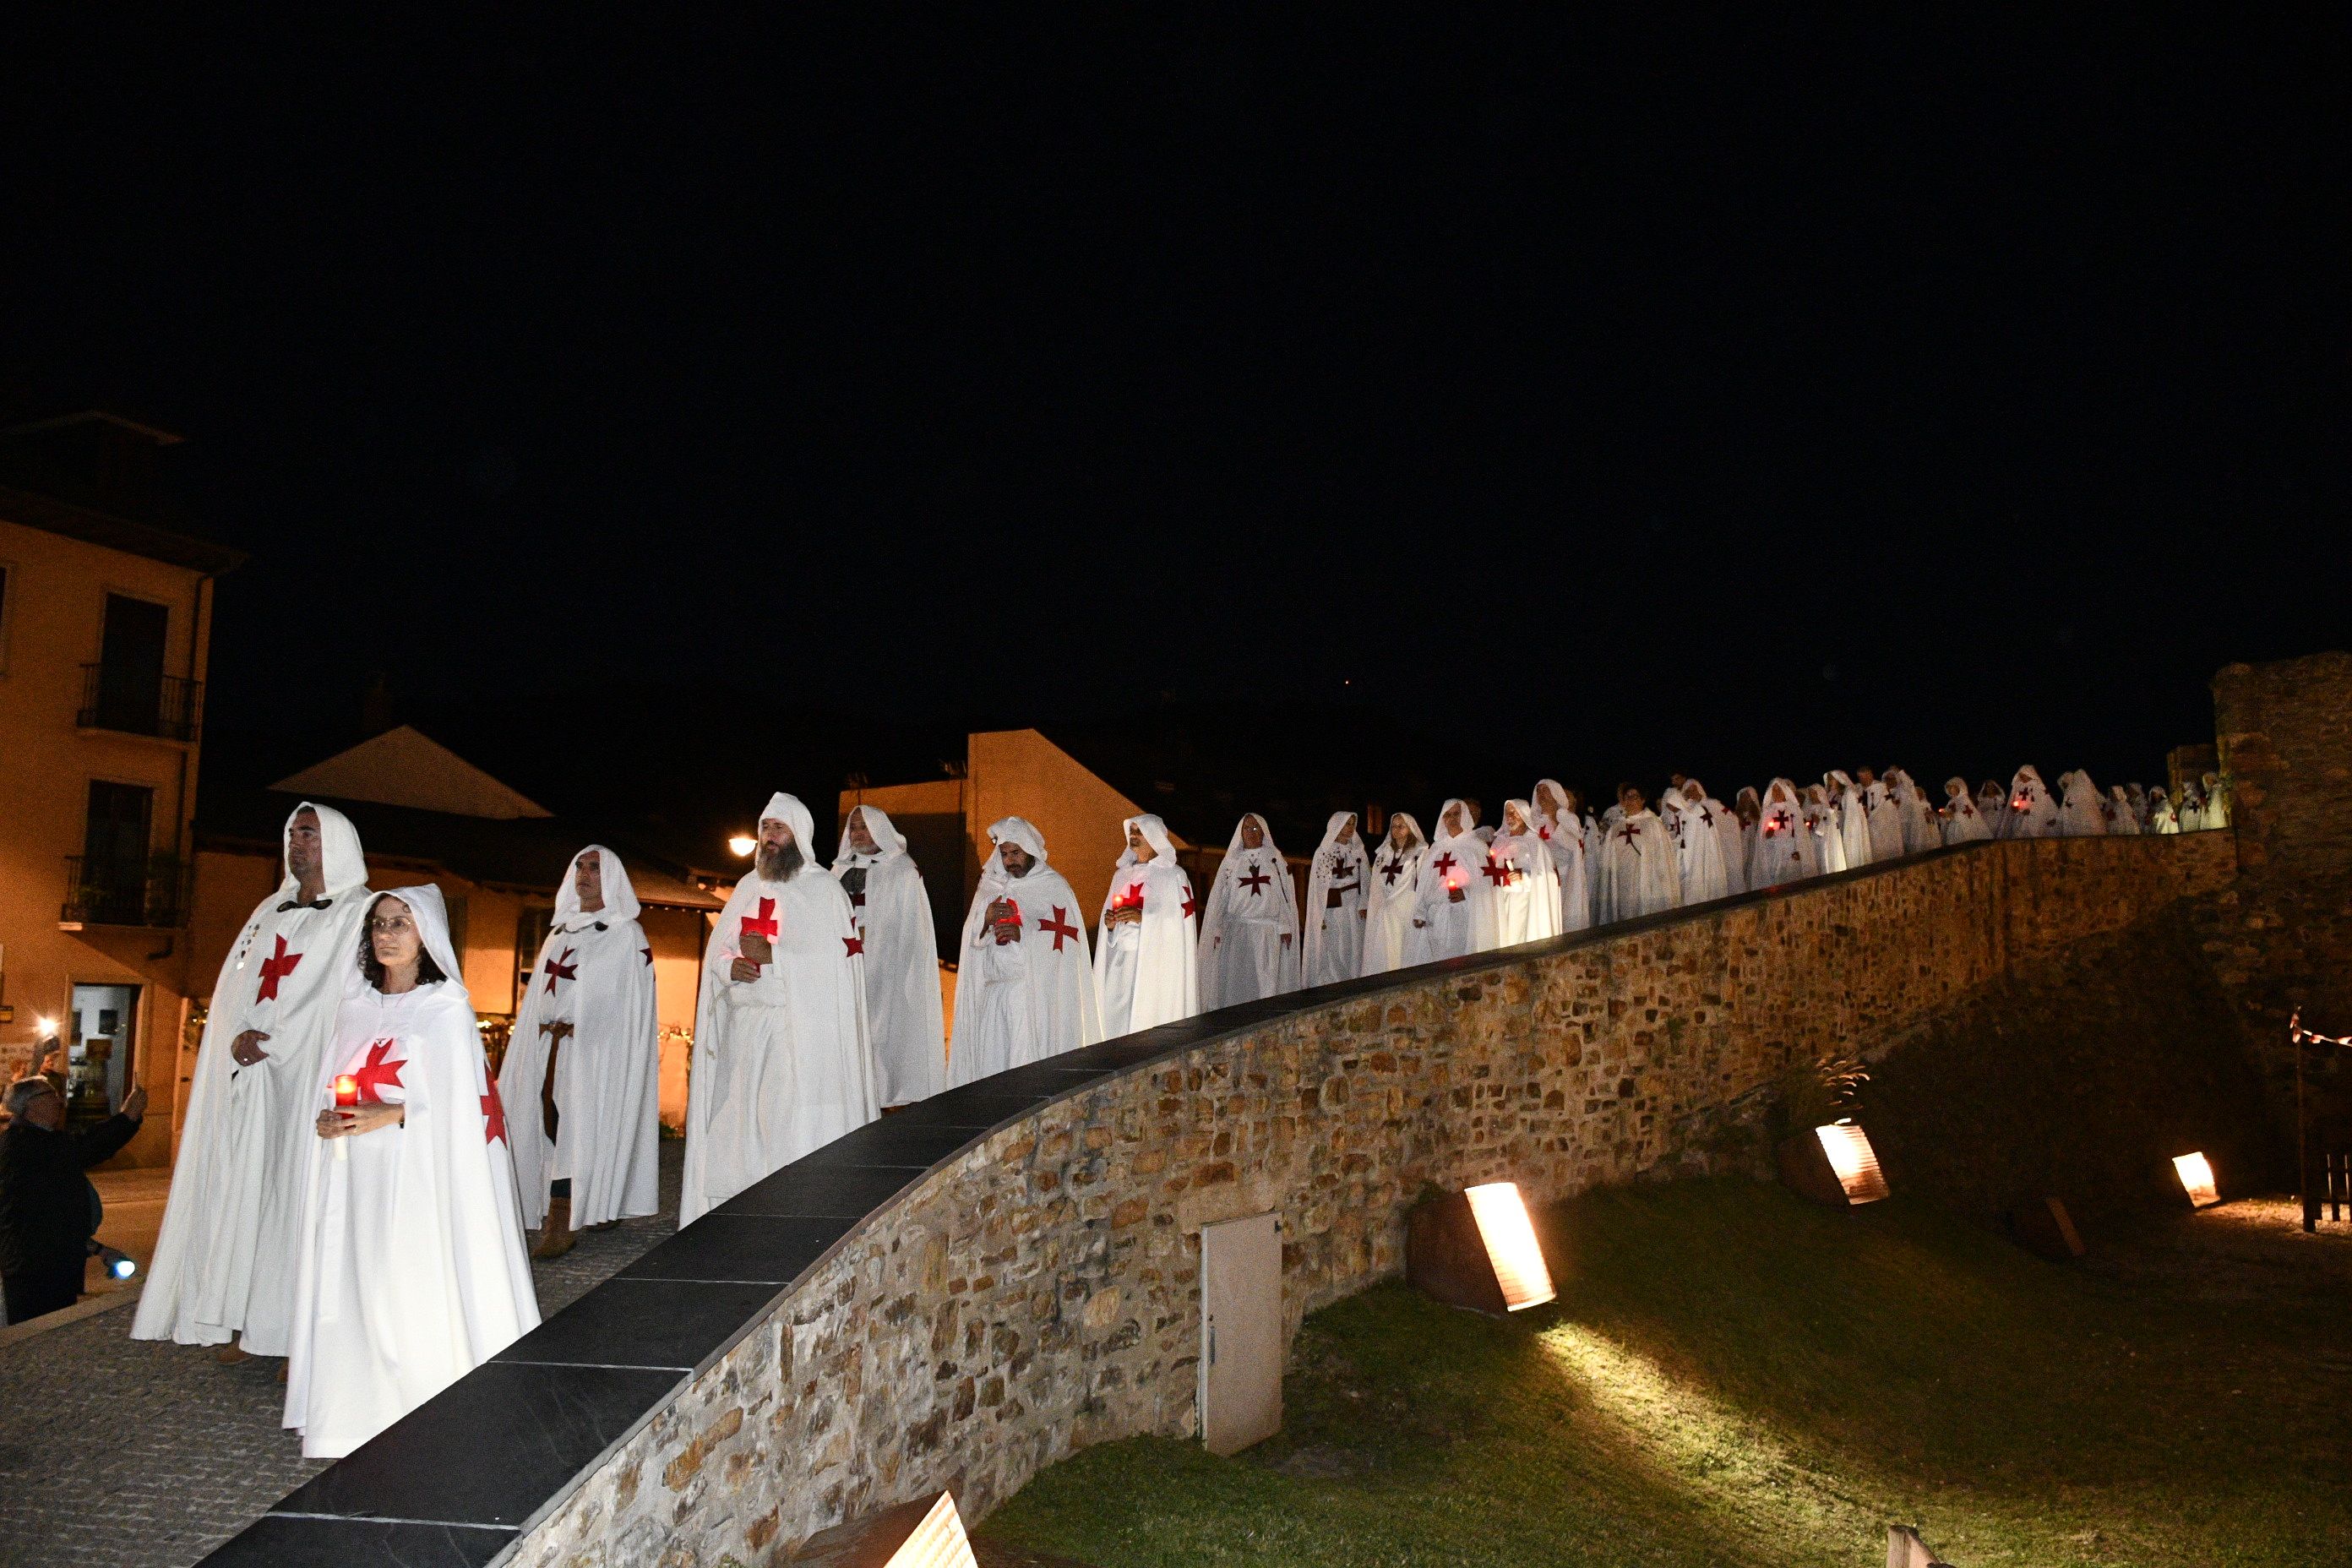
{"type": "Point", "coordinates": [620, 897]}
{"type": "Point", "coordinates": [342, 863]}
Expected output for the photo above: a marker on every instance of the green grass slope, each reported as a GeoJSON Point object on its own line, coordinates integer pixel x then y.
{"type": "Point", "coordinates": [1733, 1377]}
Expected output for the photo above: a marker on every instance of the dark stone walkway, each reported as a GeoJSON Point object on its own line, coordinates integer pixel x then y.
{"type": "Point", "coordinates": [117, 1453]}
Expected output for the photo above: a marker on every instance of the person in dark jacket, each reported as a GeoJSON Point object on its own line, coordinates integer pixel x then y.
{"type": "Point", "coordinates": [44, 1199]}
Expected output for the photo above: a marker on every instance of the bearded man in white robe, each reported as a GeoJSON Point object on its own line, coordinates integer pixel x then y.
{"type": "Point", "coordinates": [1454, 907]}
{"type": "Point", "coordinates": [1337, 891]}
{"type": "Point", "coordinates": [226, 1259]}
{"type": "Point", "coordinates": [1145, 964]}
{"type": "Point", "coordinates": [782, 1062]}
{"type": "Point", "coordinates": [582, 1068]}
{"type": "Point", "coordinates": [1525, 880]}
{"type": "Point", "coordinates": [1642, 865]}
{"type": "Point", "coordinates": [2030, 812]}
{"type": "Point", "coordinates": [1249, 939]}
{"type": "Point", "coordinates": [1786, 848]}
{"type": "Point", "coordinates": [1025, 985]}
{"type": "Point", "coordinates": [1562, 828]}
{"type": "Point", "coordinates": [1393, 885]}
{"type": "Point", "coordinates": [1963, 822]}
{"type": "Point", "coordinates": [893, 910]}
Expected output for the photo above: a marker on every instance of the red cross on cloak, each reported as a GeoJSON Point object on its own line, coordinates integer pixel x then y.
{"type": "Point", "coordinates": [1394, 869]}
{"type": "Point", "coordinates": [764, 924]}
{"type": "Point", "coordinates": [1629, 833]}
{"type": "Point", "coordinates": [649, 953]}
{"type": "Point", "coordinates": [1444, 865]}
{"type": "Point", "coordinates": [561, 969]}
{"type": "Point", "coordinates": [494, 1116]}
{"type": "Point", "coordinates": [1706, 817]}
{"type": "Point", "coordinates": [275, 968]}
{"type": "Point", "coordinates": [1059, 925]}
{"type": "Point", "coordinates": [855, 943]}
{"type": "Point", "coordinates": [375, 1072]}
{"type": "Point", "coordinates": [1500, 873]}
{"type": "Point", "coordinates": [1188, 903]}
{"type": "Point", "coordinates": [1131, 900]}
{"type": "Point", "coordinates": [1257, 881]}
{"type": "Point", "coordinates": [1780, 822]}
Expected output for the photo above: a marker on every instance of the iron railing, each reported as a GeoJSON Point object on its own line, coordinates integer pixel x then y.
{"type": "Point", "coordinates": [151, 894]}
{"type": "Point", "coordinates": [135, 703]}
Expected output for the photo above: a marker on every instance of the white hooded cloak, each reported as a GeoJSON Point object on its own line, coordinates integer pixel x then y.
{"type": "Point", "coordinates": [596, 972]}
{"type": "Point", "coordinates": [2162, 819]}
{"type": "Point", "coordinates": [1564, 833]}
{"type": "Point", "coordinates": [2080, 812]}
{"type": "Point", "coordinates": [1032, 996]}
{"type": "Point", "coordinates": [1337, 891]}
{"type": "Point", "coordinates": [1713, 815]}
{"type": "Point", "coordinates": [1525, 879]}
{"type": "Point", "coordinates": [1249, 936]}
{"type": "Point", "coordinates": [1786, 849]}
{"type": "Point", "coordinates": [1453, 907]}
{"type": "Point", "coordinates": [782, 1064]}
{"type": "Point", "coordinates": [902, 962]}
{"type": "Point", "coordinates": [2030, 812]}
{"type": "Point", "coordinates": [1641, 868]}
{"type": "Point", "coordinates": [1920, 831]}
{"type": "Point", "coordinates": [226, 1258]}
{"type": "Point", "coordinates": [2121, 818]}
{"type": "Point", "coordinates": [1145, 970]}
{"type": "Point", "coordinates": [1855, 836]}
{"type": "Point", "coordinates": [1394, 882]}
{"type": "Point", "coordinates": [1821, 823]}
{"type": "Point", "coordinates": [412, 1269]}
{"type": "Point", "coordinates": [1963, 822]}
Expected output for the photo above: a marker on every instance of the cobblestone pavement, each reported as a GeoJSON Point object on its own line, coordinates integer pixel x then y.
{"type": "Point", "coordinates": [117, 1453]}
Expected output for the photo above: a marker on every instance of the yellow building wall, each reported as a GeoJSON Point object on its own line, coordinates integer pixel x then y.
{"type": "Point", "coordinates": [1020, 773]}
{"type": "Point", "coordinates": [52, 623]}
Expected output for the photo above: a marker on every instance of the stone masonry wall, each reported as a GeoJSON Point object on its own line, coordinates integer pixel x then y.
{"type": "Point", "coordinates": [1039, 1293]}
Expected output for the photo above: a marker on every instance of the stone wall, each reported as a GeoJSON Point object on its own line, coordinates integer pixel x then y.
{"type": "Point", "coordinates": [1037, 1293]}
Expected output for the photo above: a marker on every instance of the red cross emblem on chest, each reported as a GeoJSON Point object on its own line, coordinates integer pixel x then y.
{"type": "Point", "coordinates": [561, 968]}
{"type": "Point", "coordinates": [764, 923]}
{"type": "Point", "coordinates": [375, 1072]}
{"type": "Point", "coordinates": [1059, 925]}
{"type": "Point", "coordinates": [1257, 882]}
{"type": "Point", "coordinates": [1394, 869]}
{"type": "Point", "coordinates": [1780, 822]}
{"type": "Point", "coordinates": [494, 1116]}
{"type": "Point", "coordinates": [275, 968]}
{"type": "Point", "coordinates": [854, 944]}
{"type": "Point", "coordinates": [1629, 833]}
{"type": "Point", "coordinates": [1499, 872]}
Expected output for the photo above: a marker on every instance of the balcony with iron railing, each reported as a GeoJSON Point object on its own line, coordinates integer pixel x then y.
{"type": "Point", "coordinates": [136, 703]}
{"type": "Point", "coordinates": [151, 895]}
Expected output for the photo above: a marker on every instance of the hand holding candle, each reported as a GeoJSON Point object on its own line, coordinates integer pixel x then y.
{"type": "Point", "coordinates": [347, 1098]}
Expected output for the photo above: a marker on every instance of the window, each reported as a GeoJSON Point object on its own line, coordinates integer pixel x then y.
{"type": "Point", "coordinates": [114, 871]}
{"type": "Point", "coordinates": [130, 694]}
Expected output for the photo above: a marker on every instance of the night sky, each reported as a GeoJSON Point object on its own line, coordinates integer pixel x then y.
{"type": "Point", "coordinates": [1541, 397]}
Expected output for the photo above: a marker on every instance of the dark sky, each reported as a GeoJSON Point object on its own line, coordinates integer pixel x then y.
{"type": "Point", "coordinates": [1748, 398]}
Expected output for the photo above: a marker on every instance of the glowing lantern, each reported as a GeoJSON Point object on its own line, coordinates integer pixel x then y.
{"type": "Point", "coordinates": [2197, 1177]}
{"type": "Point", "coordinates": [912, 1535]}
{"type": "Point", "coordinates": [1854, 1159]}
{"type": "Point", "coordinates": [1477, 1250]}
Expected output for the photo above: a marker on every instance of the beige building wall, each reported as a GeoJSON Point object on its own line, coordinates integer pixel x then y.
{"type": "Point", "coordinates": [52, 621]}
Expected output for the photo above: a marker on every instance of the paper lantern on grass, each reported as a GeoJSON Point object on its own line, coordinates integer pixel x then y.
{"type": "Point", "coordinates": [1834, 1165]}
{"type": "Point", "coordinates": [1477, 1250]}
{"type": "Point", "coordinates": [2197, 1178]}
{"type": "Point", "coordinates": [925, 1534]}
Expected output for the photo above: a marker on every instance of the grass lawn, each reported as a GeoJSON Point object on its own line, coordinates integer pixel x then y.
{"type": "Point", "coordinates": [1734, 1377]}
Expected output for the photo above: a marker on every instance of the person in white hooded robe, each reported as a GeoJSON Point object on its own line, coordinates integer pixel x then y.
{"type": "Point", "coordinates": [1525, 879]}
{"type": "Point", "coordinates": [1912, 808]}
{"type": "Point", "coordinates": [1394, 884]}
{"type": "Point", "coordinates": [1641, 865]}
{"type": "Point", "coordinates": [1878, 810]}
{"type": "Point", "coordinates": [1747, 805]}
{"type": "Point", "coordinates": [1025, 982]}
{"type": "Point", "coordinates": [1562, 828]}
{"type": "Point", "coordinates": [1854, 842]}
{"type": "Point", "coordinates": [2162, 819]}
{"type": "Point", "coordinates": [893, 912]}
{"type": "Point", "coordinates": [1146, 954]}
{"type": "Point", "coordinates": [582, 1068]}
{"type": "Point", "coordinates": [2138, 794]}
{"type": "Point", "coordinates": [225, 1259]}
{"type": "Point", "coordinates": [1786, 849]}
{"type": "Point", "coordinates": [1963, 822]}
{"type": "Point", "coordinates": [1992, 804]}
{"type": "Point", "coordinates": [1337, 890]}
{"type": "Point", "coordinates": [2116, 811]}
{"type": "Point", "coordinates": [781, 1063]}
{"type": "Point", "coordinates": [1249, 936]}
{"type": "Point", "coordinates": [2191, 808]}
{"type": "Point", "coordinates": [2080, 812]}
{"type": "Point", "coordinates": [1453, 907]}
{"type": "Point", "coordinates": [2030, 812]}
{"type": "Point", "coordinates": [1821, 824]}
{"type": "Point", "coordinates": [413, 1271]}
{"type": "Point", "coordinates": [1714, 814]}
{"type": "Point", "coordinates": [1698, 848]}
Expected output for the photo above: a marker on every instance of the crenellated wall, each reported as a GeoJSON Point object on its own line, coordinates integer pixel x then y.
{"type": "Point", "coordinates": [1037, 1293]}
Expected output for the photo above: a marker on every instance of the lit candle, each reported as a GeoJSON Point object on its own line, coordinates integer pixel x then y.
{"type": "Point", "coordinates": [347, 1098]}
